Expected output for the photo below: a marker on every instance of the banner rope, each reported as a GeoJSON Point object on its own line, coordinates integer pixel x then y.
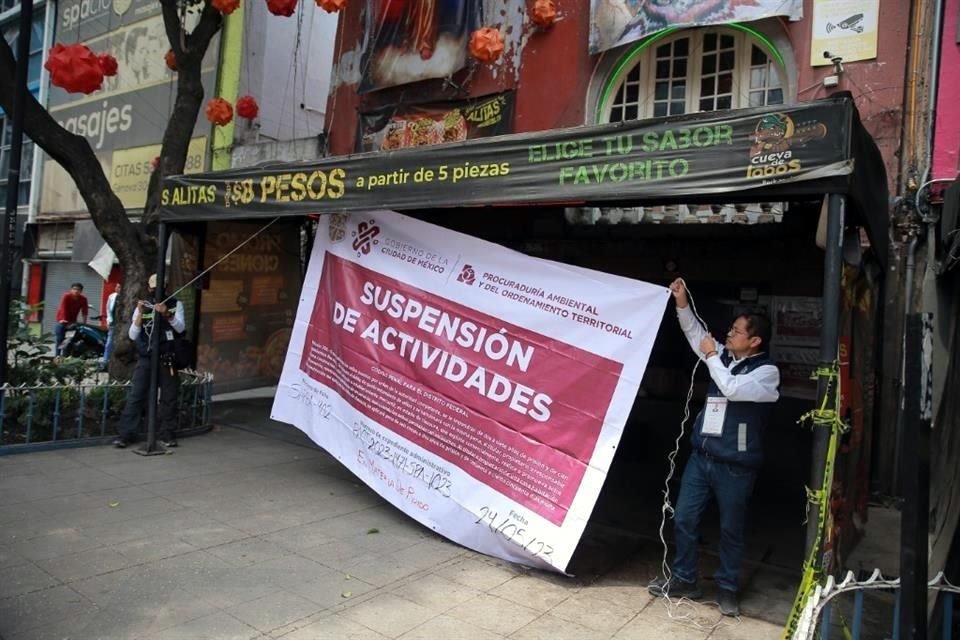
{"type": "Point", "coordinates": [222, 258]}
{"type": "Point", "coordinates": [827, 417]}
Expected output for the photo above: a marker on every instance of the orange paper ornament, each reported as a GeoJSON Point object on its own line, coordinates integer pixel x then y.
{"type": "Point", "coordinates": [219, 112]}
{"type": "Point", "coordinates": [247, 107]}
{"type": "Point", "coordinates": [226, 7]}
{"type": "Point", "coordinates": [171, 59]}
{"type": "Point", "coordinates": [486, 44]}
{"type": "Point", "coordinates": [544, 13]}
{"type": "Point", "coordinates": [331, 6]}
{"type": "Point", "coordinates": [285, 8]}
{"type": "Point", "coordinates": [74, 68]}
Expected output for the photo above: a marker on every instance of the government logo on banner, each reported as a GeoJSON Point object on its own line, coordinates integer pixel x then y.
{"type": "Point", "coordinates": [617, 22]}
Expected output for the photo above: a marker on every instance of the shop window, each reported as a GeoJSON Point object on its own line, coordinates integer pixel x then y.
{"type": "Point", "coordinates": [690, 71]}
{"type": "Point", "coordinates": [698, 70]}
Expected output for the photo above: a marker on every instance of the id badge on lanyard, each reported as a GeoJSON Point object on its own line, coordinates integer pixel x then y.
{"type": "Point", "coordinates": [713, 416]}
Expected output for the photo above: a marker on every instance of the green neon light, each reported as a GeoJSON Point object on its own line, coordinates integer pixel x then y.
{"type": "Point", "coordinates": [608, 85]}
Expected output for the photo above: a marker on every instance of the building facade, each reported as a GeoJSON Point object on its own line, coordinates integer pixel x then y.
{"type": "Point", "coordinates": [404, 76]}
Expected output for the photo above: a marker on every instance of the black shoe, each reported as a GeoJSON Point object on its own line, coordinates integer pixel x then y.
{"type": "Point", "coordinates": [728, 602]}
{"type": "Point", "coordinates": [120, 442]}
{"type": "Point", "coordinates": [168, 443]}
{"type": "Point", "coordinates": [674, 588]}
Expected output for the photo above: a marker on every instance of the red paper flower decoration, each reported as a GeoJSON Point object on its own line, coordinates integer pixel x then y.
{"type": "Point", "coordinates": [331, 6]}
{"type": "Point", "coordinates": [219, 112]}
{"type": "Point", "coordinates": [108, 64]}
{"type": "Point", "coordinates": [486, 44]}
{"type": "Point", "coordinates": [155, 163]}
{"type": "Point", "coordinates": [171, 59]}
{"type": "Point", "coordinates": [544, 13]}
{"type": "Point", "coordinates": [74, 68]}
{"type": "Point", "coordinates": [247, 107]}
{"type": "Point", "coordinates": [226, 7]}
{"type": "Point", "coordinates": [284, 8]}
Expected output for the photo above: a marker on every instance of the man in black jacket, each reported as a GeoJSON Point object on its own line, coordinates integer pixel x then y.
{"type": "Point", "coordinates": [167, 318]}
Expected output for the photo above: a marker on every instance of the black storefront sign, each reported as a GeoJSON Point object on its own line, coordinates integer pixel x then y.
{"type": "Point", "coordinates": [744, 155]}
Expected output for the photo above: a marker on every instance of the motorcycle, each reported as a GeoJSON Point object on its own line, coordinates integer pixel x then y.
{"type": "Point", "coordinates": [86, 340]}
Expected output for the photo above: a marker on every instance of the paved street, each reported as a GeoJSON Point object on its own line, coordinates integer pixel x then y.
{"type": "Point", "coordinates": [251, 534]}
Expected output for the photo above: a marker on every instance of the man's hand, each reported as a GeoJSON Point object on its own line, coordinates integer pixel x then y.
{"type": "Point", "coordinates": [708, 345]}
{"type": "Point", "coordinates": [160, 308]}
{"type": "Point", "coordinates": [679, 291]}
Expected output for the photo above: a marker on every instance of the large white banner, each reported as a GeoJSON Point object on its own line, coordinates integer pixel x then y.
{"type": "Point", "coordinates": [481, 391]}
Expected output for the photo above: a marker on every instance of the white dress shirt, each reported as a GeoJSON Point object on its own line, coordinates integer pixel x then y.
{"type": "Point", "coordinates": [759, 385]}
{"type": "Point", "coordinates": [178, 323]}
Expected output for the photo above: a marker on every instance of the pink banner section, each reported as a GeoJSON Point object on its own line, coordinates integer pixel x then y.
{"type": "Point", "coordinates": [516, 410]}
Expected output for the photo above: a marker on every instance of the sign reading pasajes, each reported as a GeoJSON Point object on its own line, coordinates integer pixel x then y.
{"type": "Point", "coordinates": [124, 121]}
{"type": "Point", "coordinates": [481, 391]}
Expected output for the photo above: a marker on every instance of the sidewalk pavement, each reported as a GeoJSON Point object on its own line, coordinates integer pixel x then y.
{"type": "Point", "coordinates": [239, 534]}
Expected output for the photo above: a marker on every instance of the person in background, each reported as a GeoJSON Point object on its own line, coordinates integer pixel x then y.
{"type": "Point", "coordinates": [73, 305]}
{"type": "Point", "coordinates": [727, 441]}
{"type": "Point", "coordinates": [167, 318]}
{"type": "Point", "coordinates": [111, 323]}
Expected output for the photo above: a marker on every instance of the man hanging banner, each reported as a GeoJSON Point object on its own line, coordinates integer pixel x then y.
{"type": "Point", "coordinates": [616, 22]}
{"type": "Point", "coordinates": [481, 391]}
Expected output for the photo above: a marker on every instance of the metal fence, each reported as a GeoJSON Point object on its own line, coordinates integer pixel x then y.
{"type": "Point", "coordinates": [58, 416]}
{"type": "Point", "coordinates": [818, 618]}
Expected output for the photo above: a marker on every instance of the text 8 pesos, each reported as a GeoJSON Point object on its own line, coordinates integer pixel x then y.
{"type": "Point", "coordinates": [287, 187]}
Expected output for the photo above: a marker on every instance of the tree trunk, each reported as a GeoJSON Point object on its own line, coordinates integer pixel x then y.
{"type": "Point", "coordinates": [134, 245]}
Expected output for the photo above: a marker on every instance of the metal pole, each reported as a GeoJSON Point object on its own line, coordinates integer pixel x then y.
{"type": "Point", "coordinates": [8, 235]}
{"type": "Point", "coordinates": [829, 345]}
{"type": "Point", "coordinates": [151, 445]}
{"type": "Point", "coordinates": [915, 480]}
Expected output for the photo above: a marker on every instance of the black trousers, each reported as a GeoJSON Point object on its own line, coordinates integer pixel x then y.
{"type": "Point", "coordinates": [139, 394]}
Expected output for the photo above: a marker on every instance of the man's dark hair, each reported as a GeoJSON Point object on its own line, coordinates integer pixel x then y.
{"type": "Point", "coordinates": [77, 285]}
{"type": "Point", "coordinates": [758, 326]}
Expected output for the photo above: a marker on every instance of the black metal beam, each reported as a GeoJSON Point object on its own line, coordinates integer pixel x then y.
{"type": "Point", "coordinates": [829, 345]}
{"type": "Point", "coordinates": [915, 483]}
{"type": "Point", "coordinates": [8, 234]}
{"type": "Point", "coordinates": [150, 448]}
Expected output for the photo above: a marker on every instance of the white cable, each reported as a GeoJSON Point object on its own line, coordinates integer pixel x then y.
{"type": "Point", "coordinates": [672, 605]}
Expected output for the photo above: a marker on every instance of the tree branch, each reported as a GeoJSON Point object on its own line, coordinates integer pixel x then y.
{"type": "Point", "coordinates": [189, 100]}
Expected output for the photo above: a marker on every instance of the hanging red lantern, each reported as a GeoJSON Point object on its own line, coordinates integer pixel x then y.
{"type": "Point", "coordinates": [219, 112]}
{"type": "Point", "coordinates": [247, 107]}
{"type": "Point", "coordinates": [486, 44]}
{"type": "Point", "coordinates": [74, 68]}
{"type": "Point", "coordinates": [155, 163]}
{"type": "Point", "coordinates": [544, 13]}
{"type": "Point", "coordinates": [108, 64]}
{"type": "Point", "coordinates": [171, 59]}
{"type": "Point", "coordinates": [226, 7]}
{"type": "Point", "coordinates": [284, 8]}
{"type": "Point", "coordinates": [331, 6]}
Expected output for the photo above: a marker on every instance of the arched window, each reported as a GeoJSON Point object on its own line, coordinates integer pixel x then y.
{"type": "Point", "coordinates": [695, 70]}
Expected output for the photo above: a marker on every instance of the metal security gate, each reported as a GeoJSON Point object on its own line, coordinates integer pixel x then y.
{"type": "Point", "coordinates": [59, 275]}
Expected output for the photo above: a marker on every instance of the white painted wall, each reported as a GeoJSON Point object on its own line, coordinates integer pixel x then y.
{"type": "Point", "coordinates": [290, 81]}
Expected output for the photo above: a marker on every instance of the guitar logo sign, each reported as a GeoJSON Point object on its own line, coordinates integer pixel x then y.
{"type": "Point", "coordinates": [774, 139]}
